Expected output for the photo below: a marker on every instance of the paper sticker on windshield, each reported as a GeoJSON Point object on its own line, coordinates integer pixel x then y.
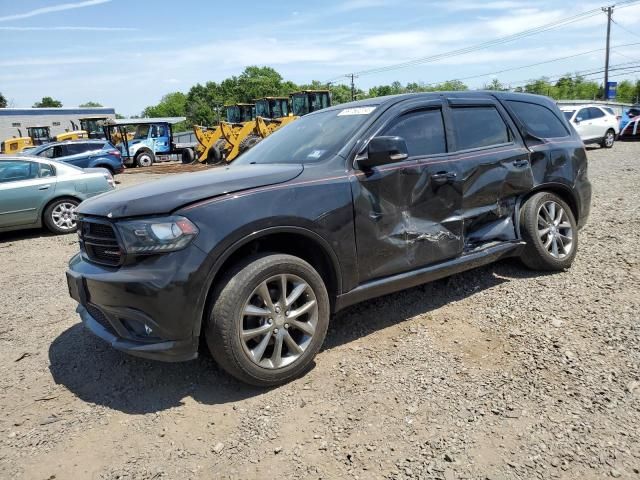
{"type": "Point", "coordinates": [357, 111]}
{"type": "Point", "coordinates": [316, 154]}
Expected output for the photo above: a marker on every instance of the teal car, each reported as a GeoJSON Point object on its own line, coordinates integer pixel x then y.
{"type": "Point", "coordinates": [36, 192]}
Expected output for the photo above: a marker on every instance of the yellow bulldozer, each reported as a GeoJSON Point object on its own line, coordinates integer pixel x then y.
{"type": "Point", "coordinates": [245, 128]}
{"type": "Point", "coordinates": [39, 135]}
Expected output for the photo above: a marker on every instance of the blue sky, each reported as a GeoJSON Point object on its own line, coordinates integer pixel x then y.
{"type": "Point", "coordinates": [127, 54]}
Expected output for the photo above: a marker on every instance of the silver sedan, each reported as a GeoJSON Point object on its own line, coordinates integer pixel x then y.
{"type": "Point", "coordinates": [36, 192]}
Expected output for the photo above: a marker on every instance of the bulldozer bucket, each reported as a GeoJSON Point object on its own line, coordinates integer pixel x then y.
{"type": "Point", "coordinates": [207, 137]}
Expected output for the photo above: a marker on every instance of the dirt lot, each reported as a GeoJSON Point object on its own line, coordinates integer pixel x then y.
{"type": "Point", "coordinates": [495, 373]}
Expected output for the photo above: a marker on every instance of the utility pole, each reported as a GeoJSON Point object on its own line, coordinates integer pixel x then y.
{"type": "Point", "coordinates": [353, 85]}
{"type": "Point", "coordinates": [609, 12]}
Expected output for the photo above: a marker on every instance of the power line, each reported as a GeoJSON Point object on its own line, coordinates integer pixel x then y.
{"type": "Point", "coordinates": [625, 29]}
{"type": "Point", "coordinates": [522, 67]}
{"type": "Point", "coordinates": [491, 43]}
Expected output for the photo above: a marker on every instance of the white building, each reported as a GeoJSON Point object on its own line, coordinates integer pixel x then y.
{"type": "Point", "coordinates": [16, 120]}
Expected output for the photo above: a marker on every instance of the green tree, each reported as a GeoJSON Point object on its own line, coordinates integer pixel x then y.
{"type": "Point", "coordinates": [48, 102]}
{"type": "Point", "coordinates": [495, 85]}
{"type": "Point", "coordinates": [90, 105]}
{"type": "Point", "coordinates": [171, 105]}
{"type": "Point", "coordinates": [3, 101]}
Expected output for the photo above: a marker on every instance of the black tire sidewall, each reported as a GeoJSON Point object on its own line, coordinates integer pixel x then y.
{"type": "Point", "coordinates": [223, 329]}
{"type": "Point", "coordinates": [187, 156]}
{"type": "Point", "coordinates": [48, 220]}
{"type": "Point", "coordinates": [535, 255]}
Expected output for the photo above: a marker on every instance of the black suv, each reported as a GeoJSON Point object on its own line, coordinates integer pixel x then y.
{"type": "Point", "coordinates": [342, 205]}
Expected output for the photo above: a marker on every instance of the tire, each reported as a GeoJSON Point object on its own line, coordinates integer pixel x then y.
{"type": "Point", "coordinates": [59, 216]}
{"type": "Point", "coordinates": [145, 158]}
{"type": "Point", "coordinates": [254, 360]}
{"type": "Point", "coordinates": [249, 142]}
{"type": "Point", "coordinates": [609, 139]}
{"type": "Point", "coordinates": [187, 156]}
{"type": "Point", "coordinates": [543, 226]}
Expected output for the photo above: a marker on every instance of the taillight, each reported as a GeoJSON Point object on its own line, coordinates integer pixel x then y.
{"type": "Point", "coordinates": [115, 153]}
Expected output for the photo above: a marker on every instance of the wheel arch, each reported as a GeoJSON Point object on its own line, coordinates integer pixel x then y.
{"type": "Point", "coordinates": [296, 241]}
{"type": "Point", "coordinates": [563, 191]}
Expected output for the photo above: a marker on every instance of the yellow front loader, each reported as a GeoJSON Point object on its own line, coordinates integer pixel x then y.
{"type": "Point", "coordinates": [75, 134]}
{"type": "Point", "coordinates": [211, 141]}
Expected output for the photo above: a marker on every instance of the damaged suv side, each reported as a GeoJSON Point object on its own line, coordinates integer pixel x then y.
{"type": "Point", "coordinates": [340, 206]}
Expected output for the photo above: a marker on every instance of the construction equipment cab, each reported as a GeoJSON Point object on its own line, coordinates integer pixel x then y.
{"type": "Point", "coordinates": [307, 101]}
{"type": "Point", "coordinates": [240, 112]}
{"type": "Point", "coordinates": [273, 107]}
{"type": "Point", "coordinates": [93, 127]}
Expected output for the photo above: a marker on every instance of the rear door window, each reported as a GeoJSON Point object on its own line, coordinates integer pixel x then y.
{"type": "Point", "coordinates": [477, 127]}
{"type": "Point", "coordinates": [539, 120]}
{"type": "Point", "coordinates": [423, 130]}
{"type": "Point", "coordinates": [76, 148]}
{"type": "Point", "coordinates": [595, 112]}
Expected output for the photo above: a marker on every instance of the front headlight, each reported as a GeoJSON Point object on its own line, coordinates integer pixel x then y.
{"type": "Point", "coordinates": [156, 235]}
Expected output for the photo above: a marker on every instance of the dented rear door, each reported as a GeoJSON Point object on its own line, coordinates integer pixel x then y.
{"type": "Point", "coordinates": [407, 214]}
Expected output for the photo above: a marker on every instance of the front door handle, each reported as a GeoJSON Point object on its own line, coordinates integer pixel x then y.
{"type": "Point", "coordinates": [522, 162]}
{"type": "Point", "coordinates": [441, 178]}
{"type": "Point", "coordinates": [44, 187]}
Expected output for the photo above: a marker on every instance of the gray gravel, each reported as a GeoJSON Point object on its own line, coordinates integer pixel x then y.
{"type": "Point", "coordinates": [495, 373]}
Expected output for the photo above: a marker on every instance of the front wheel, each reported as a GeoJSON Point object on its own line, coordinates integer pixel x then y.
{"type": "Point", "coordinates": [144, 159]}
{"type": "Point", "coordinates": [269, 319]}
{"type": "Point", "coordinates": [550, 232]}
{"type": "Point", "coordinates": [609, 139]}
{"type": "Point", "coordinates": [60, 215]}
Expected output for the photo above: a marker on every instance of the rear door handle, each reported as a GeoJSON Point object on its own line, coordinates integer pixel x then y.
{"type": "Point", "coordinates": [523, 162]}
{"type": "Point", "coordinates": [44, 187]}
{"type": "Point", "coordinates": [441, 178]}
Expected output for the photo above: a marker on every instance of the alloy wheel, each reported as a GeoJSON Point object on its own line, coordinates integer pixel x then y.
{"type": "Point", "coordinates": [554, 229]}
{"type": "Point", "coordinates": [278, 321]}
{"type": "Point", "coordinates": [609, 139]}
{"type": "Point", "coordinates": [64, 216]}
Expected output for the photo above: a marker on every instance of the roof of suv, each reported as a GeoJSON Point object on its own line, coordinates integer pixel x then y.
{"type": "Point", "coordinates": [476, 94]}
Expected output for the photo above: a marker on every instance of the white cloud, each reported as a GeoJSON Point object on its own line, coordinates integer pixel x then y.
{"type": "Point", "coordinates": [68, 28]}
{"type": "Point", "coordinates": [44, 61]}
{"type": "Point", "coordinates": [51, 9]}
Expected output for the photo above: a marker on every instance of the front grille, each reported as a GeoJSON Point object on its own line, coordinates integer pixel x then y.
{"type": "Point", "coordinates": [101, 318]}
{"type": "Point", "coordinates": [99, 242]}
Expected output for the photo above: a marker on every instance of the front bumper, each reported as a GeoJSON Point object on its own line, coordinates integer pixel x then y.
{"type": "Point", "coordinates": [151, 309]}
{"type": "Point", "coordinates": [166, 351]}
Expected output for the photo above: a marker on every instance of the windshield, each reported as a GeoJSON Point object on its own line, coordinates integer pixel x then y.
{"type": "Point", "coordinates": [262, 109]}
{"type": "Point", "coordinates": [310, 139]}
{"type": "Point", "coordinates": [568, 114]}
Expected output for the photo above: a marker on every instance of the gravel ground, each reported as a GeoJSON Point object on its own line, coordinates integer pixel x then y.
{"type": "Point", "coordinates": [496, 373]}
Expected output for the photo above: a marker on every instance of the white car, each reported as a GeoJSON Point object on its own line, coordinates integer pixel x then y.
{"type": "Point", "coordinates": [594, 124]}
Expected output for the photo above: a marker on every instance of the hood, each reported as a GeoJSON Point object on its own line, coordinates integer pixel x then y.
{"type": "Point", "coordinates": [168, 194]}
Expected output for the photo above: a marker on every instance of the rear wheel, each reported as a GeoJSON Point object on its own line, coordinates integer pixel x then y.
{"type": "Point", "coordinates": [609, 139]}
{"type": "Point", "coordinates": [550, 231]}
{"type": "Point", "coordinates": [215, 155]}
{"type": "Point", "coordinates": [187, 156]}
{"type": "Point", "coordinates": [269, 319]}
{"type": "Point", "coordinates": [144, 158]}
{"type": "Point", "coordinates": [60, 215]}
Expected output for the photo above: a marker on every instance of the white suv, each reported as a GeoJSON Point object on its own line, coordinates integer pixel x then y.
{"type": "Point", "coordinates": [594, 124]}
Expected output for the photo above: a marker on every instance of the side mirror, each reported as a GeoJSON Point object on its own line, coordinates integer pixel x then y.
{"type": "Point", "coordinates": [578, 119]}
{"type": "Point", "coordinates": [383, 150]}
